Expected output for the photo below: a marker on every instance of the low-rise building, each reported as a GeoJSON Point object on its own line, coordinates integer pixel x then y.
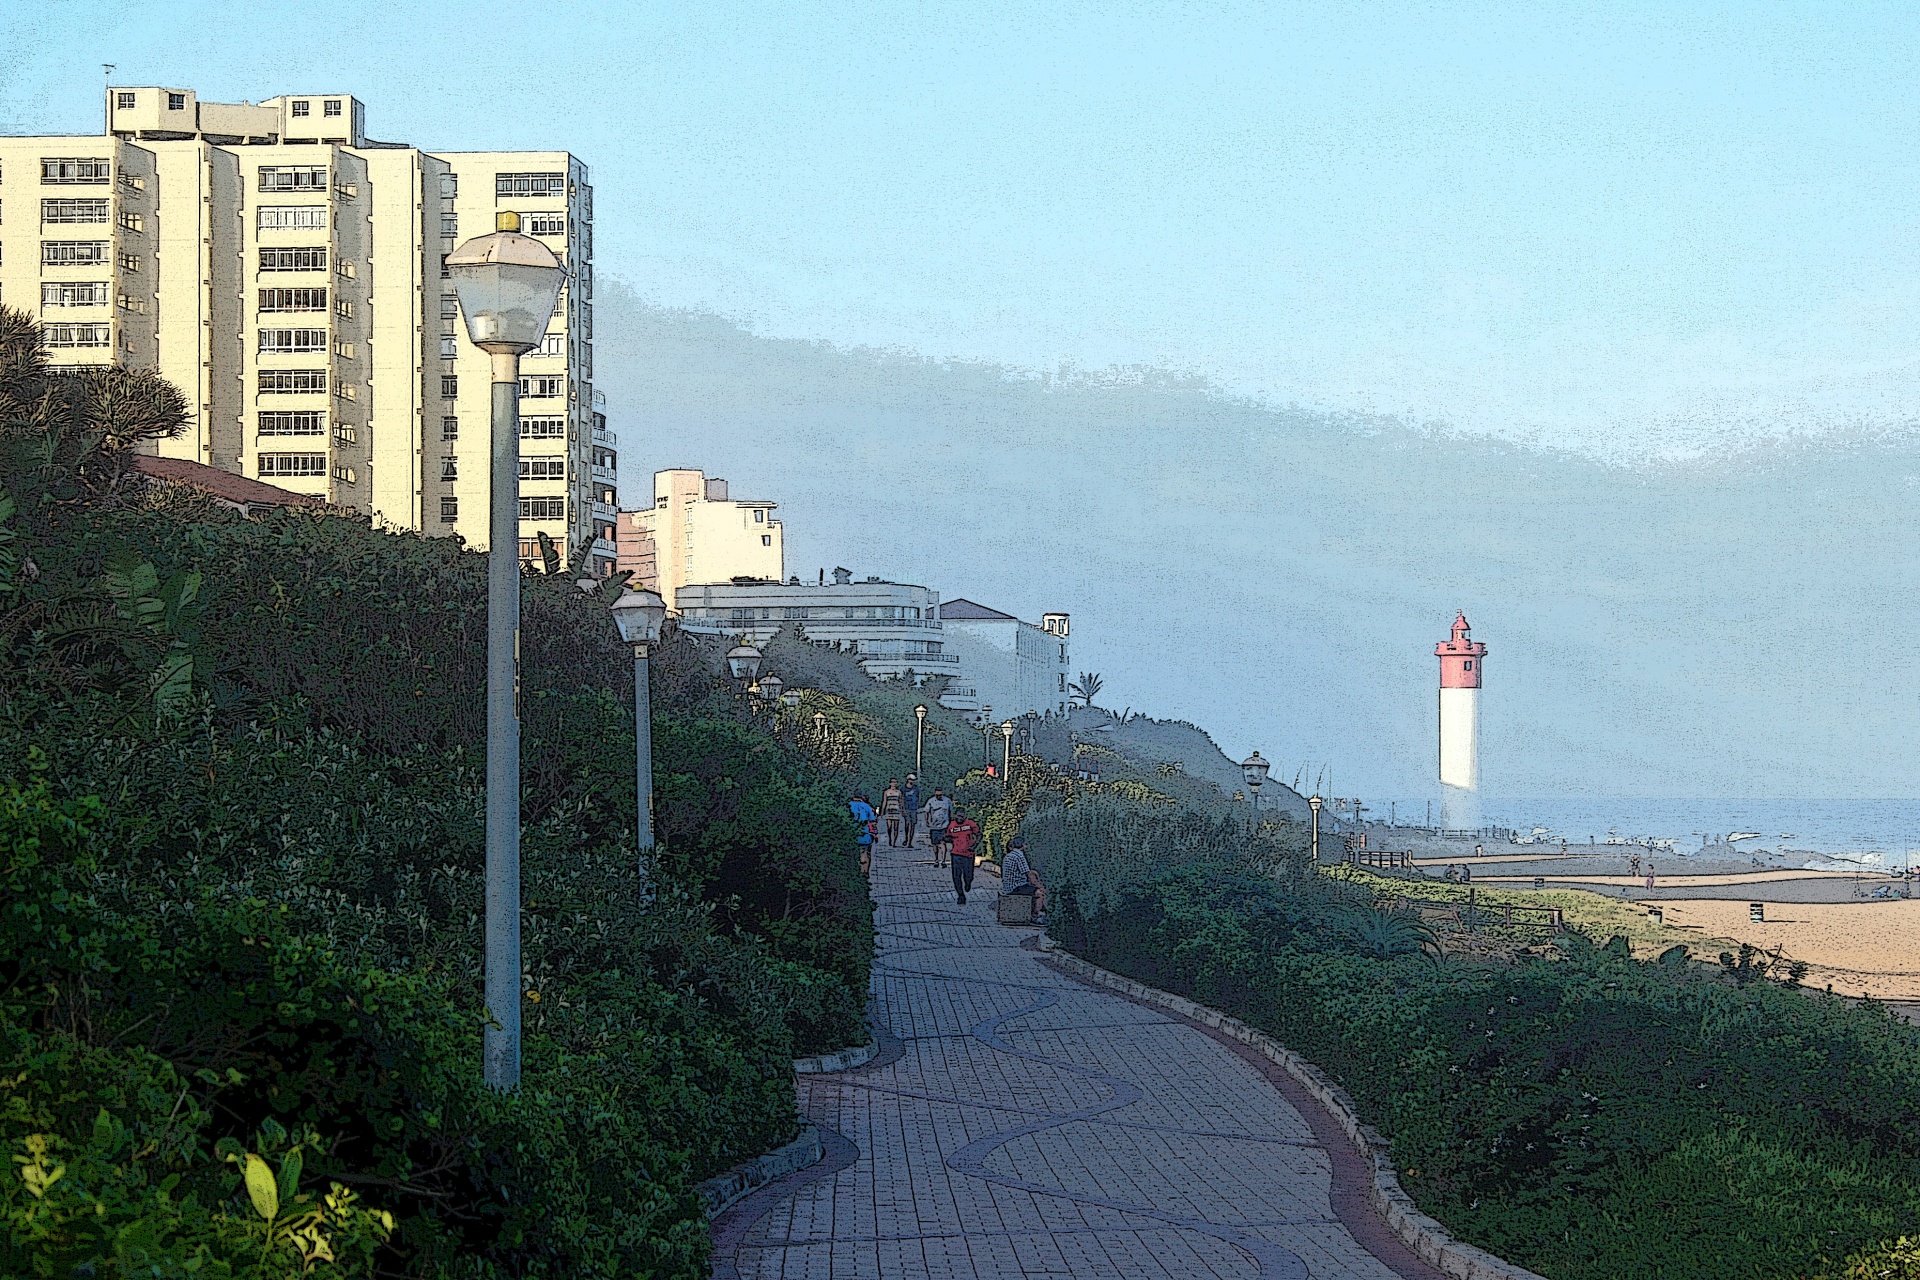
{"type": "Point", "coordinates": [695, 532]}
{"type": "Point", "coordinates": [1012, 666]}
{"type": "Point", "coordinates": [892, 627]}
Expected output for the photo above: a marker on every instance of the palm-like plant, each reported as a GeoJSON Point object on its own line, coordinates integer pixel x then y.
{"type": "Point", "coordinates": [1384, 933]}
{"type": "Point", "coordinates": [1087, 687]}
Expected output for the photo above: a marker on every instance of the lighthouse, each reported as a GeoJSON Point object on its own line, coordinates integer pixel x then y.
{"type": "Point", "coordinates": [1461, 659]}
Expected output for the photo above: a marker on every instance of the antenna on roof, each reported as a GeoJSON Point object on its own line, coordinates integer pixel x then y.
{"type": "Point", "coordinates": [106, 101]}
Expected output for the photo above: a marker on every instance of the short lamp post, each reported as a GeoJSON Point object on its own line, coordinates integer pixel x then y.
{"type": "Point", "coordinates": [1313, 803]}
{"type": "Point", "coordinates": [790, 699]}
{"type": "Point", "coordinates": [919, 739]}
{"type": "Point", "coordinates": [507, 285]}
{"type": "Point", "coordinates": [770, 686]}
{"type": "Point", "coordinates": [743, 660]}
{"type": "Point", "coordinates": [639, 614]}
{"type": "Point", "coordinates": [820, 726]}
{"type": "Point", "coordinates": [1254, 770]}
{"type": "Point", "coordinates": [1006, 751]}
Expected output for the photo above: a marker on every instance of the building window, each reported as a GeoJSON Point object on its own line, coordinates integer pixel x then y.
{"type": "Point", "coordinates": [449, 468]}
{"type": "Point", "coordinates": [553, 344]}
{"type": "Point", "coordinates": [280, 382]}
{"type": "Point", "coordinates": [545, 224]}
{"type": "Point", "coordinates": [132, 222]}
{"type": "Point", "coordinates": [61, 171]}
{"type": "Point", "coordinates": [88, 294]}
{"type": "Point", "coordinates": [302, 109]}
{"type": "Point", "coordinates": [303, 299]}
{"type": "Point", "coordinates": [345, 433]}
{"type": "Point", "coordinates": [293, 177]}
{"type": "Point", "coordinates": [529, 184]}
{"type": "Point", "coordinates": [449, 386]}
{"type": "Point", "coordinates": [78, 335]}
{"type": "Point", "coordinates": [129, 262]}
{"type": "Point", "coordinates": [331, 107]}
{"type": "Point", "coordinates": [449, 346]}
{"type": "Point", "coordinates": [449, 510]}
{"type": "Point", "coordinates": [449, 306]}
{"type": "Point", "coordinates": [313, 258]}
{"type": "Point", "coordinates": [344, 474]}
{"type": "Point", "coordinates": [766, 539]}
{"type": "Point", "coordinates": [70, 210]}
{"type": "Point", "coordinates": [293, 464]}
{"type": "Point", "coordinates": [343, 308]}
{"type": "Point", "coordinates": [296, 422]}
{"type": "Point", "coordinates": [543, 468]}
{"type": "Point", "coordinates": [125, 100]}
{"type": "Point", "coordinates": [176, 102]}
{"type": "Point", "coordinates": [449, 428]}
{"type": "Point", "coordinates": [449, 185]}
{"type": "Point", "coordinates": [73, 253]}
{"type": "Point", "coordinates": [449, 224]}
{"type": "Point", "coordinates": [1469, 665]}
{"type": "Point", "coordinates": [293, 217]}
{"type": "Point", "coordinates": [543, 508]}
{"type": "Point", "coordinates": [280, 340]}
{"type": "Point", "coordinates": [542, 388]}
{"type": "Point", "coordinates": [444, 273]}
{"type": "Point", "coordinates": [543, 428]}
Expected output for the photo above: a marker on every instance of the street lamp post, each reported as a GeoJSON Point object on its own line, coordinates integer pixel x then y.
{"type": "Point", "coordinates": [639, 614]}
{"type": "Point", "coordinates": [1254, 770]}
{"type": "Point", "coordinates": [919, 738]}
{"type": "Point", "coordinates": [770, 686]}
{"type": "Point", "coordinates": [1313, 803]}
{"type": "Point", "coordinates": [507, 285]}
{"type": "Point", "coordinates": [820, 725]}
{"type": "Point", "coordinates": [1006, 751]}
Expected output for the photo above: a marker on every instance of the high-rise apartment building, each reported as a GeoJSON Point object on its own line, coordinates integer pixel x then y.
{"type": "Point", "coordinates": [694, 532]}
{"type": "Point", "coordinates": [285, 272]}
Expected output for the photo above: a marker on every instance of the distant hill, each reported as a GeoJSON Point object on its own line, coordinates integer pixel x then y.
{"type": "Point", "coordinates": [1145, 744]}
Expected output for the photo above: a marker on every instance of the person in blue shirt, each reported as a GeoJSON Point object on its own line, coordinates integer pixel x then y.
{"type": "Point", "coordinates": [910, 806]}
{"type": "Point", "coordinates": [864, 815]}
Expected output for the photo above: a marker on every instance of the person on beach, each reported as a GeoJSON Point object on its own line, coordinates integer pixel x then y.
{"type": "Point", "coordinates": [890, 810]}
{"type": "Point", "coordinates": [963, 834]}
{"type": "Point", "coordinates": [910, 806]}
{"type": "Point", "coordinates": [939, 813]}
{"type": "Point", "coordinates": [1018, 876]}
{"type": "Point", "coordinates": [863, 840]}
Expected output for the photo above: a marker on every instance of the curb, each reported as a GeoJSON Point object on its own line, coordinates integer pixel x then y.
{"type": "Point", "coordinates": [723, 1189]}
{"type": "Point", "coordinates": [1423, 1235]}
{"type": "Point", "coordinates": [844, 1060]}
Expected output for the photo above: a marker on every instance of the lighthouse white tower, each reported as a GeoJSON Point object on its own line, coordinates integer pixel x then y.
{"type": "Point", "coordinates": [1461, 659]}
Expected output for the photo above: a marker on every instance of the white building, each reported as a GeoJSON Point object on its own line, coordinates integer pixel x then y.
{"type": "Point", "coordinates": [893, 627]}
{"type": "Point", "coordinates": [695, 532]}
{"type": "Point", "coordinates": [1012, 666]}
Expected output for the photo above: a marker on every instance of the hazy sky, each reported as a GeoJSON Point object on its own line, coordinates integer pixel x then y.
{"type": "Point", "coordinates": [1668, 249]}
{"type": "Point", "coordinates": [1621, 226]}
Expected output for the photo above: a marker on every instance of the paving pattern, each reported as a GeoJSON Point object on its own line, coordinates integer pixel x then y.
{"type": "Point", "coordinates": [1023, 1124]}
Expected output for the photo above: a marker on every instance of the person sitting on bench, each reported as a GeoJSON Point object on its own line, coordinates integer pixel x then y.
{"type": "Point", "coordinates": [1018, 876]}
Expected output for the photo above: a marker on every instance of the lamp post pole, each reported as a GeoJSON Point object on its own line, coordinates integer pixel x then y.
{"type": "Point", "coordinates": [1254, 770]}
{"type": "Point", "coordinates": [1006, 752]}
{"type": "Point", "coordinates": [986, 736]}
{"type": "Point", "coordinates": [507, 285]}
{"type": "Point", "coordinates": [638, 615]}
{"type": "Point", "coordinates": [1313, 803]}
{"type": "Point", "coordinates": [919, 739]}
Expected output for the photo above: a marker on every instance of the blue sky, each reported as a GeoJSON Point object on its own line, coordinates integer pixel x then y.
{"type": "Point", "coordinates": [1625, 227]}
{"type": "Point", "coordinates": [1667, 250]}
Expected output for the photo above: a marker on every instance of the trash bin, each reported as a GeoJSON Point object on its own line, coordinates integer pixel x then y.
{"type": "Point", "coordinates": [1757, 912]}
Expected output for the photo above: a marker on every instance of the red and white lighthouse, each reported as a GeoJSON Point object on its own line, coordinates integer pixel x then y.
{"type": "Point", "coordinates": [1461, 660]}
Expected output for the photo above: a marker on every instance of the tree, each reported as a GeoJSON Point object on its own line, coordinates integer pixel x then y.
{"type": "Point", "coordinates": [1087, 688]}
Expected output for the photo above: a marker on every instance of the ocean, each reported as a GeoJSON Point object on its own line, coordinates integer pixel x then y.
{"type": "Point", "coordinates": [1834, 834]}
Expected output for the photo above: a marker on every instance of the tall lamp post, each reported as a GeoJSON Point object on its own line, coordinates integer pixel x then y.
{"type": "Point", "coordinates": [1313, 803]}
{"type": "Point", "coordinates": [639, 614]}
{"type": "Point", "coordinates": [507, 285]}
{"type": "Point", "coordinates": [1254, 770]}
{"type": "Point", "coordinates": [919, 739]}
{"type": "Point", "coordinates": [1006, 751]}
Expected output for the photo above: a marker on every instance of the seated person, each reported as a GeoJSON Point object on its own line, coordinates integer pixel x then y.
{"type": "Point", "coordinates": [1018, 876]}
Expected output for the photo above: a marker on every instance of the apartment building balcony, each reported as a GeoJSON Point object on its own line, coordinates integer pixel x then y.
{"type": "Point", "coordinates": [602, 436]}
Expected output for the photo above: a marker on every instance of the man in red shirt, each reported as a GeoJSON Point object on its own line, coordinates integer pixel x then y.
{"type": "Point", "coordinates": [963, 835]}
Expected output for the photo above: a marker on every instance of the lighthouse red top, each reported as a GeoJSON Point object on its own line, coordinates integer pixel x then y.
{"type": "Point", "coordinates": [1460, 658]}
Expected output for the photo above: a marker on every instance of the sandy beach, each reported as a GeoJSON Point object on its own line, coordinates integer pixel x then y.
{"type": "Point", "coordinates": [1862, 948]}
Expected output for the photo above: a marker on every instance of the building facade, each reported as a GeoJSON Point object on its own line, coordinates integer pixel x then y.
{"type": "Point", "coordinates": [892, 627]}
{"type": "Point", "coordinates": [1012, 666]}
{"type": "Point", "coordinates": [695, 533]}
{"type": "Point", "coordinates": [285, 273]}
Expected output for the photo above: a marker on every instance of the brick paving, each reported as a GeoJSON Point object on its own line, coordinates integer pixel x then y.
{"type": "Point", "coordinates": [1021, 1123]}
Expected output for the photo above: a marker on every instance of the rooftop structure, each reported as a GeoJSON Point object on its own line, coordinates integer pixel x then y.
{"type": "Point", "coordinates": [696, 532]}
{"type": "Point", "coordinates": [892, 627]}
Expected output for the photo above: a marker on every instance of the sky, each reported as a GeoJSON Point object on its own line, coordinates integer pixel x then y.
{"type": "Point", "coordinates": [1522, 268]}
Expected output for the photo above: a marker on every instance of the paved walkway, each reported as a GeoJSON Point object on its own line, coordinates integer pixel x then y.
{"type": "Point", "coordinates": [1020, 1123]}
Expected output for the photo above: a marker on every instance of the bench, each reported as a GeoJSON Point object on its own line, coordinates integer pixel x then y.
{"type": "Point", "coordinates": [1013, 908]}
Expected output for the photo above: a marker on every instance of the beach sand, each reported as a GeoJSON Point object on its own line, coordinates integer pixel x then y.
{"type": "Point", "coordinates": [1862, 948]}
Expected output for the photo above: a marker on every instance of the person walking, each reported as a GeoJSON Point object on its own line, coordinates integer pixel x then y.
{"type": "Point", "coordinates": [939, 814]}
{"type": "Point", "coordinates": [964, 835]}
{"type": "Point", "coordinates": [863, 839]}
{"type": "Point", "coordinates": [910, 806]}
{"type": "Point", "coordinates": [1018, 876]}
{"type": "Point", "coordinates": [890, 810]}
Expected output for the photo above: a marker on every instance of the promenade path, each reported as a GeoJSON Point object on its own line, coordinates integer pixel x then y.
{"type": "Point", "coordinates": [1020, 1123]}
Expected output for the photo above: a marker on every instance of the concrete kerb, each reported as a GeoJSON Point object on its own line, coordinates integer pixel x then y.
{"type": "Point", "coordinates": [1423, 1235]}
{"type": "Point", "coordinates": [844, 1060]}
{"type": "Point", "coordinates": [743, 1179]}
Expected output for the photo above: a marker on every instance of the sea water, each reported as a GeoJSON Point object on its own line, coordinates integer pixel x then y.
{"type": "Point", "coordinates": [1838, 834]}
